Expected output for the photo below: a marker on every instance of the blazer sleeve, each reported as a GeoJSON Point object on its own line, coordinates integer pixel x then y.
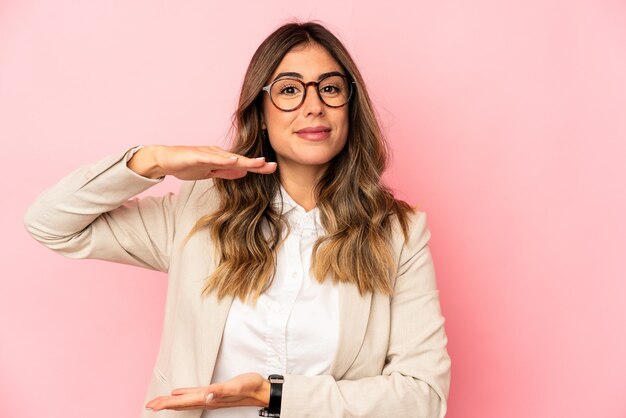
{"type": "Point", "coordinates": [416, 376]}
{"type": "Point", "coordinates": [88, 214]}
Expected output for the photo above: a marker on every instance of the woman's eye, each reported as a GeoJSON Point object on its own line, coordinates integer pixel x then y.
{"type": "Point", "coordinates": [329, 89]}
{"type": "Point", "coordinates": [289, 90]}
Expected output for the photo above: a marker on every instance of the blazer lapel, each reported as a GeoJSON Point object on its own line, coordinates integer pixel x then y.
{"type": "Point", "coordinates": [354, 311]}
{"type": "Point", "coordinates": [214, 314]}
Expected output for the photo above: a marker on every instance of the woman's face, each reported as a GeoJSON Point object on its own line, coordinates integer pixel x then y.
{"type": "Point", "coordinates": [313, 134]}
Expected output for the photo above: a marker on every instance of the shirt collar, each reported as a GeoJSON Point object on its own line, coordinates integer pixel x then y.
{"type": "Point", "coordinates": [283, 202]}
{"type": "Point", "coordinates": [292, 210]}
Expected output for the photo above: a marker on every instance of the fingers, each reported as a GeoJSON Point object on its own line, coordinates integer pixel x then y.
{"type": "Point", "coordinates": [231, 160]}
{"type": "Point", "coordinates": [236, 392]}
{"type": "Point", "coordinates": [236, 173]}
{"type": "Point", "coordinates": [229, 174]}
{"type": "Point", "coordinates": [212, 151]}
{"type": "Point", "coordinates": [185, 398]}
{"type": "Point", "coordinates": [267, 168]}
{"type": "Point", "coordinates": [217, 150]}
{"type": "Point", "coordinates": [229, 165]}
{"type": "Point", "coordinates": [198, 163]}
{"type": "Point", "coordinates": [193, 399]}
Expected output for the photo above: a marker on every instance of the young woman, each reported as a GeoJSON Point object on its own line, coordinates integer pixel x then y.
{"type": "Point", "coordinates": [286, 255]}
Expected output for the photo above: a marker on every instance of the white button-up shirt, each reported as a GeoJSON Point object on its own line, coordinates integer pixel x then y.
{"type": "Point", "coordinates": [294, 326]}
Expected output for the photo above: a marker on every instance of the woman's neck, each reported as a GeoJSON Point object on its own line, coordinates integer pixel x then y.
{"type": "Point", "coordinates": [300, 183]}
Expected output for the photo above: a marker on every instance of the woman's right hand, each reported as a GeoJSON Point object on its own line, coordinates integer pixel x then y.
{"type": "Point", "coordinates": [195, 163]}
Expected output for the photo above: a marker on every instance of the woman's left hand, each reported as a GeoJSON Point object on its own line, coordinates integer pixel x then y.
{"type": "Point", "coordinates": [249, 389]}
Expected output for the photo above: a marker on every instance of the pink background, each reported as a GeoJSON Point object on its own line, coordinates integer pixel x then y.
{"type": "Point", "coordinates": [508, 126]}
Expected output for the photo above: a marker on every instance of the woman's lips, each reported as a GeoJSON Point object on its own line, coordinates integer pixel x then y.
{"type": "Point", "coordinates": [315, 133]}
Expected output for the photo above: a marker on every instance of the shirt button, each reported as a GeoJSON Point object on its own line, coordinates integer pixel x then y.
{"type": "Point", "coordinates": [294, 275]}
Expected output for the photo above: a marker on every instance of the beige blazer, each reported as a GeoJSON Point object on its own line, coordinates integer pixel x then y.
{"type": "Point", "coordinates": [391, 359]}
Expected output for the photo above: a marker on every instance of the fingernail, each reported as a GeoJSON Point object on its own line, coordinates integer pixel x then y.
{"type": "Point", "coordinates": [272, 162]}
{"type": "Point", "coordinates": [234, 158]}
{"type": "Point", "coordinates": [208, 398]}
{"type": "Point", "coordinates": [259, 158]}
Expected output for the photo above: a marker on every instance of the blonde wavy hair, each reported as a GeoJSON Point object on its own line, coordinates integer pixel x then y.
{"type": "Point", "coordinates": [356, 210]}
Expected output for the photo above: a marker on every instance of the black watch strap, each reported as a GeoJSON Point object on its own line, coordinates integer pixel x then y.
{"type": "Point", "coordinates": [276, 396]}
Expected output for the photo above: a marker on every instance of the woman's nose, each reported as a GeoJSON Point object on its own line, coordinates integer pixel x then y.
{"type": "Point", "coordinates": [312, 102]}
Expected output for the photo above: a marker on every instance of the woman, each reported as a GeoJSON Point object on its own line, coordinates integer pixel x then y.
{"type": "Point", "coordinates": [286, 255]}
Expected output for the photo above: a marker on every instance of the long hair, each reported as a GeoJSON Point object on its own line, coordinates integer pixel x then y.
{"type": "Point", "coordinates": [356, 210]}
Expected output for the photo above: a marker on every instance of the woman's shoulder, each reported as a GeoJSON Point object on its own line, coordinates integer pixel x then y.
{"type": "Point", "coordinates": [413, 235]}
{"type": "Point", "coordinates": [199, 194]}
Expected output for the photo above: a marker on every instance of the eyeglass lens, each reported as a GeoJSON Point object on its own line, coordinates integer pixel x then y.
{"type": "Point", "coordinates": [288, 93]}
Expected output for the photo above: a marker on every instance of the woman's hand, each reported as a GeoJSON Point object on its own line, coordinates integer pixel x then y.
{"type": "Point", "coordinates": [195, 163]}
{"type": "Point", "coordinates": [249, 389]}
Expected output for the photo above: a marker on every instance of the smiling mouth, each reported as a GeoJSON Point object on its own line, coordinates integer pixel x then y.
{"type": "Point", "coordinates": [315, 133]}
{"type": "Point", "coordinates": [313, 129]}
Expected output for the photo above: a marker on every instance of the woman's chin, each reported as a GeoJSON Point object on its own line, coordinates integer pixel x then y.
{"type": "Point", "coordinates": [309, 162]}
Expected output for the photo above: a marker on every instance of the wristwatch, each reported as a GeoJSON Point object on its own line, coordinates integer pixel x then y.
{"type": "Point", "coordinates": [276, 396]}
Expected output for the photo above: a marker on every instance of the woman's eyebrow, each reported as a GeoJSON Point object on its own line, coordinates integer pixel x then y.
{"type": "Point", "coordinates": [298, 75]}
{"type": "Point", "coordinates": [324, 75]}
{"type": "Point", "coordinates": [288, 74]}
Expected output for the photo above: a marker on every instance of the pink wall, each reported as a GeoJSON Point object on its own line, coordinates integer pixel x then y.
{"type": "Point", "coordinates": [508, 125]}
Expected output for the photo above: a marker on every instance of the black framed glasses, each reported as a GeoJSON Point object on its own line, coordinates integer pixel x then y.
{"type": "Point", "coordinates": [288, 94]}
